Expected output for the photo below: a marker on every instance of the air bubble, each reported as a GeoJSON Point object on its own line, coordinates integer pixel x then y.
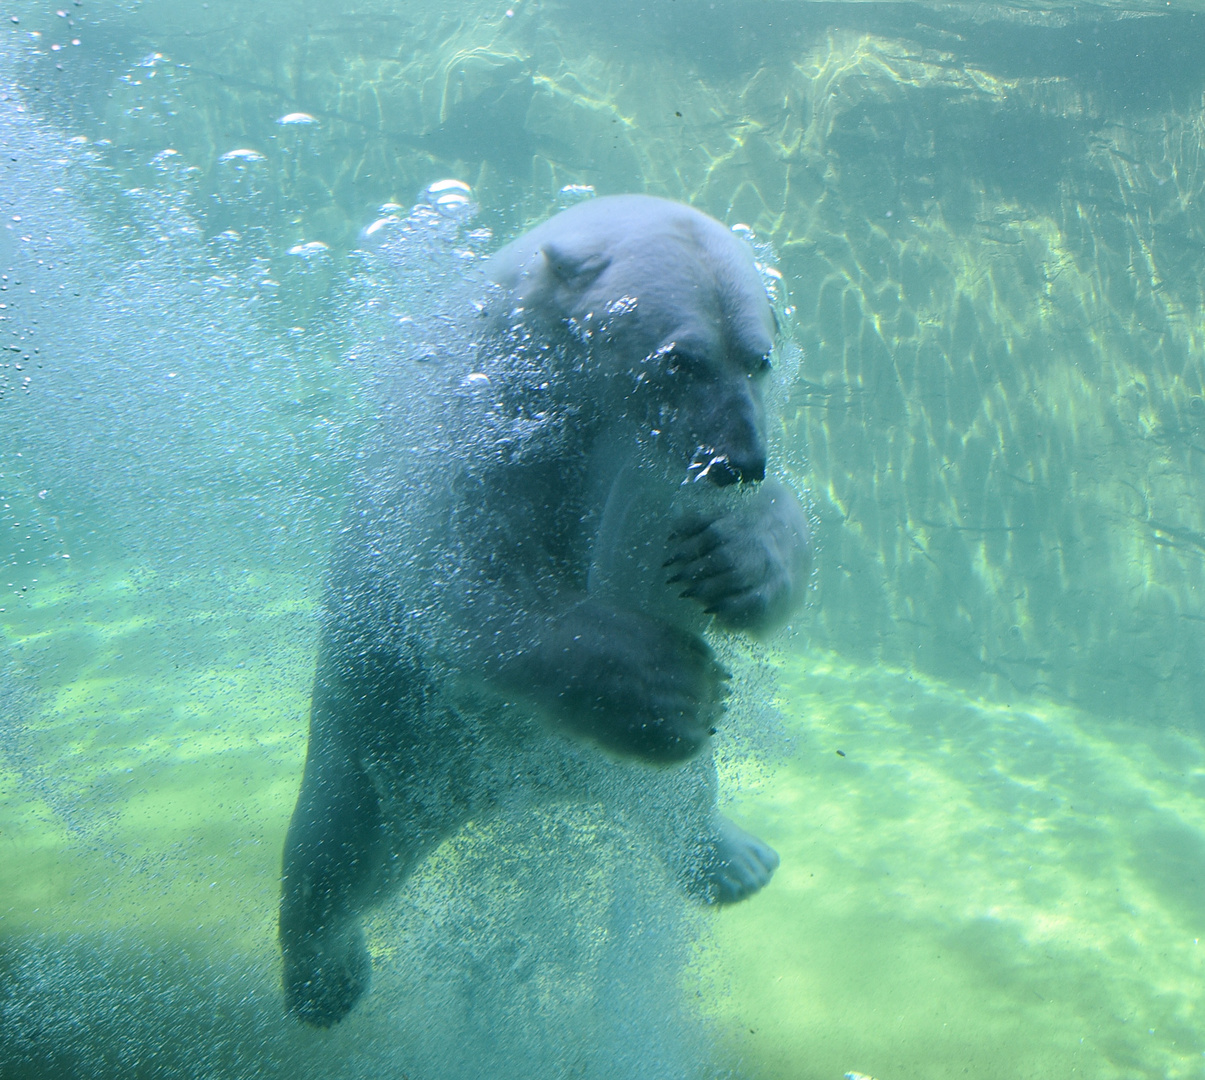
{"type": "Point", "coordinates": [380, 230]}
{"type": "Point", "coordinates": [441, 186]}
{"type": "Point", "coordinates": [242, 183]}
{"type": "Point", "coordinates": [312, 249]}
{"type": "Point", "coordinates": [249, 156]}
{"type": "Point", "coordinates": [571, 194]}
{"type": "Point", "coordinates": [452, 198]}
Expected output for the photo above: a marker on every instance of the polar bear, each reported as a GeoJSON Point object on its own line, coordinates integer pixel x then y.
{"type": "Point", "coordinates": [520, 594]}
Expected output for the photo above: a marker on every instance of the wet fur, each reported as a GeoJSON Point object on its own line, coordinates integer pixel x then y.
{"type": "Point", "coordinates": [522, 586]}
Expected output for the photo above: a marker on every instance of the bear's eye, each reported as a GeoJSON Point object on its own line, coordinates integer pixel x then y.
{"type": "Point", "coordinates": [760, 366]}
{"type": "Point", "coordinates": [677, 362]}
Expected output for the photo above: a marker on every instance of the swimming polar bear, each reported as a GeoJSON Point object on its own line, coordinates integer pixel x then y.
{"type": "Point", "coordinates": [519, 595]}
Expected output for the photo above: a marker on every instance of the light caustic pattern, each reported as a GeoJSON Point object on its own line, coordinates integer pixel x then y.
{"type": "Point", "coordinates": [996, 274]}
{"type": "Point", "coordinates": [971, 887]}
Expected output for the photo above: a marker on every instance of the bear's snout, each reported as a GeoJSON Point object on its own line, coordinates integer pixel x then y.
{"type": "Point", "coordinates": [728, 433]}
{"type": "Point", "coordinates": [735, 471]}
{"type": "Point", "coordinates": [722, 470]}
{"type": "Point", "coordinates": [751, 471]}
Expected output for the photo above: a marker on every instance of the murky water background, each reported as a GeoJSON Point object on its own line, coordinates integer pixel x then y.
{"type": "Point", "coordinates": [990, 224]}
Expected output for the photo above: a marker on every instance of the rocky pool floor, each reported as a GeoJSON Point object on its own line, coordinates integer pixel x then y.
{"type": "Point", "coordinates": [968, 887]}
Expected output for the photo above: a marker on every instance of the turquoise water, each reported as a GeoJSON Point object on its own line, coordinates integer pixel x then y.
{"type": "Point", "coordinates": [978, 750]}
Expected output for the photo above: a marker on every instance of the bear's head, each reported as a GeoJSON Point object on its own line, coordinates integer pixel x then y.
{"type": "Point", "coordinates": [667, 308]}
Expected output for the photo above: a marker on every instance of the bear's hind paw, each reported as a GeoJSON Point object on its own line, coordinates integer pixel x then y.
{"type": "Point", "coordinates": [735, 865]}
{"type": "Point", "coordinates": [325, 976]}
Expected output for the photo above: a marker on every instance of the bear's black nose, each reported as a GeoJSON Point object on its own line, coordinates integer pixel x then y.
{"type": "Point", "coordinates": [752, 472]}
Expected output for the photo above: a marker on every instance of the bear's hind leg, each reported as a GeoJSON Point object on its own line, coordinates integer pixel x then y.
{"type": "Point", "coordinates": [384, 783]}
{"type": "Point", "coordinates": [331, 870]}
{"type": "Point", "coordinates": [713, 858]}
{"type": "Point", "coordinates": [336, 850]}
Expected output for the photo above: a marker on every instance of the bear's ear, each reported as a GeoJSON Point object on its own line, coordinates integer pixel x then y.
{"type": "Point", "coordinates": [574, 268]}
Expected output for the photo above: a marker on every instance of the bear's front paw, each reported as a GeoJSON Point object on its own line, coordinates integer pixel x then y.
{"type": "Point", "coordinates": [633, 685]}
{"type": "Point", "coordinates": [748, 566]}
{"type": "Point", "coordinates": [325, 974]}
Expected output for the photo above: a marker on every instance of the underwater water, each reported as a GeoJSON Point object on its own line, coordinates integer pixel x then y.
{"type": "Point", "coordinates": [979, 750]}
